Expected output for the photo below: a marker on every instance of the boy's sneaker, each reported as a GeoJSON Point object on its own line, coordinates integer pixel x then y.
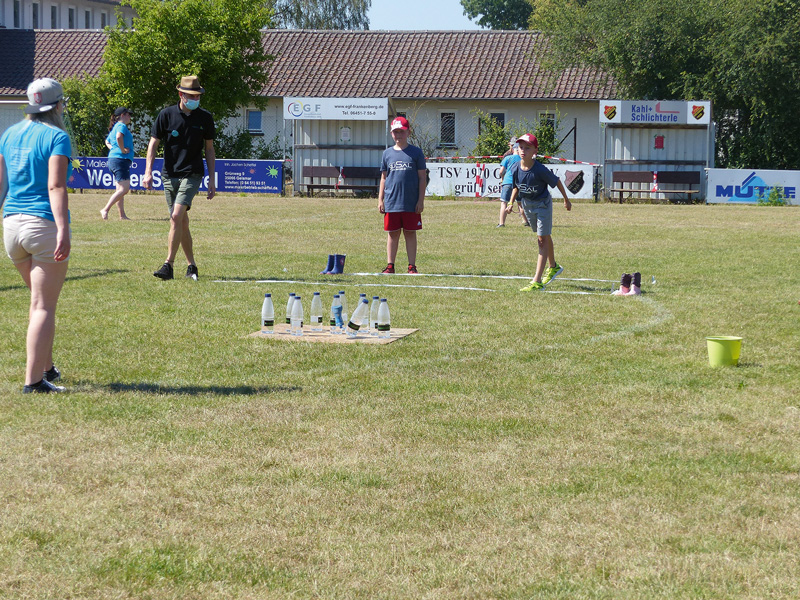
{"type": "Point", "coordinates": [164, 271]}
{"type": "Point", "coordinates": [552, 273]}
{"type": "Point", "coordinates": [191, 271]}
{"type": "Point", "coordinates": [43, 387]}
{"type": "Point", "coordinates": [533, 286]}
{"type": "Point", "coordinates": [500, 225]}
{"type": "Point", "coordinates": [413, 269]}
{"type": "Point", "coordinates": [389, 268]}
{"type": "Point", "coordinates": [52, 374]}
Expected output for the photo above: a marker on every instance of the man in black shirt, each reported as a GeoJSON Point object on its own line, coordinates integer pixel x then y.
{"type": "Point", "coordinates": [187, 130]}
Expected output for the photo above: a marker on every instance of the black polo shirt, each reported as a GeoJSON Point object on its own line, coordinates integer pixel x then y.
{"type": "Point", "coordinates": [184, 138]}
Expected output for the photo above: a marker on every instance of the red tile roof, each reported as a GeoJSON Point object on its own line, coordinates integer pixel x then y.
{"type": "Point", "coordinates": [27, 54]}
{"type": "Point", "coordinates": [468, 65]}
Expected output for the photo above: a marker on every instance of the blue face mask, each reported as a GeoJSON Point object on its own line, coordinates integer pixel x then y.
{"type": "Point", "coordinates": [191, 104]}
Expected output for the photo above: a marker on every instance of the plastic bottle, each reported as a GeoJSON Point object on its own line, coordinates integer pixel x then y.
{"type": "Point", "coordinates": [289, 308]}
{"type": "Point", "coordinates": [358, 316]}
{"type": "Point", "coordinates": [316, 312]}
{"type": "Point", "coordinates": [336, 313]}
{"type": "Point", "coordinates": [297, 316]}
{"type": "Point", "coordinates": [344, 311]}
{"type": "Point", "coordinates": [373, 316]}
{"type": "Point", "coordinates": [267, 315]}
{"type": "Point", "coordinates": [384, 322]}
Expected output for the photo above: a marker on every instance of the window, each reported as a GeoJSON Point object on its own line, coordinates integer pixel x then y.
{"type": "Point", "coordinates": [500, 118]}
{"type": "Point", "coordinates": [71, 18]}
{"type": "Point", "coordinates": [254, 122]}
{"type": "Point", "coordinates": [53, 17]}
{"type": "Point", "coordinates": [87, 19]}
{"type": "Point", "coordinates": [35, 19]}
{"type": "Point", "coordinates": [548, 118]}
{"type": "Point", "coordinates": [447, 129]}
{"type": "Point", "coordinates": [17, 14]}
{"type": "Point", "coordinates": [103, 20]}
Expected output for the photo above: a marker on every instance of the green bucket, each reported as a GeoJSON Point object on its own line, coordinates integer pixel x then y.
{"type": "Point", "coordinates": [724, 350]}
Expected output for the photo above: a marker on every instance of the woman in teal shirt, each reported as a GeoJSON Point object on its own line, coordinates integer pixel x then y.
{"type": "Point", "coordinates": [34, 167]}
{"type": "Point", "coordinates": [120, 144]}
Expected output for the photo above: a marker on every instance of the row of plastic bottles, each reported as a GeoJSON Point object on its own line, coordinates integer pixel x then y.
{"type": "Point", "coordinates": [372, 319]}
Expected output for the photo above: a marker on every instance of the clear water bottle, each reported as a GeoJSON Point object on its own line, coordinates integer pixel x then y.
{"type": "Point", "coordinates": [297, 316]}
{"type": "Point", "coordinates": [289, 305]}
{"type": "Point", "coordinates": [336, 314]}
{"type": "Point", "coordinates": [267, 315]}
{"type": "Point", "coordinates": [316, 312]}
{"type": "Point", "coordinates": [373, 316]}
{"type": "Point", "coordinates": [344, 311]}
{"type": "Point", "coordinates": [384, 322]}
{"type": "Point", "coordinates": [354, 324]}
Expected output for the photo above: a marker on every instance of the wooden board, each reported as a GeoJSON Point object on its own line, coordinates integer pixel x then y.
{"type": "Point", "coordinates": [282, 334]}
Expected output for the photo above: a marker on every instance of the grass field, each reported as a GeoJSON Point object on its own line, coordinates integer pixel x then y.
{"type": "Point", "coordinates": [541, 445]}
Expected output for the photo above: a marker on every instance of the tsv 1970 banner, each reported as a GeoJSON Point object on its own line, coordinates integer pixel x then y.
{"type": "Point", "coordinates": [249, 176]}
{"type": "Point", "coordinates": [483, 180]}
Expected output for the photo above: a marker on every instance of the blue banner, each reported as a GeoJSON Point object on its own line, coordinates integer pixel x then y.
{"type": "Point", "coordinates": [249, 176]}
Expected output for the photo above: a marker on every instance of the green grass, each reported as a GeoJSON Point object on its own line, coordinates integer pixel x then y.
{"type": "Point", "coordinates": [517, 446]}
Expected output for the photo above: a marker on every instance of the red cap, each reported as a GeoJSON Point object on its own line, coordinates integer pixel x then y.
{"type": "Point", "coordinates": [400, 123]}
{"type": "Point", "coordinates": [528, 138]}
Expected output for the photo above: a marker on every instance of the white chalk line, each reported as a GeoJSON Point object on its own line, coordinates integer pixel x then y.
{"type": "Point", "coordinates": [477, 276]}
{"type": "Point", "coordinates": [340, 284]}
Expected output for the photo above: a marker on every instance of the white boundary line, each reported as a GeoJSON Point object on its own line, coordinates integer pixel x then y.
{"type": "Point", "coordinates": [340, 284]}
{"type": "Point", "coordinates": [478, 276]}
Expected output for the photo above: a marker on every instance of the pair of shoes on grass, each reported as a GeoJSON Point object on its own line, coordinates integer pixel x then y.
{"type": "Point", "coordinates": [629, 285]}
{"type": "Point", "coordinates": [549, 274]}
{"type": "Point", "coordinates": [165, 272]}
{"type": "Point", "coordinates": [390, 269]}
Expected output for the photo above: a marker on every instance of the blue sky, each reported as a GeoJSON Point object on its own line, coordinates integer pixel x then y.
{"type": "Point", "coordinates": [418, 14]}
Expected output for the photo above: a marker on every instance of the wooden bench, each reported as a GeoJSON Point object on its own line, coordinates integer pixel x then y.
{"type": "Point", "coordinates": [684, 178]}
{"type": "Point", "coordinates": [331, 174]}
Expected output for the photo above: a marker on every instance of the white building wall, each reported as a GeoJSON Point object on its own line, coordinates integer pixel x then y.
{"type": "Point", "coordinates": [96, 12]}
{"type": "Point", "coordinates": [425, 117]}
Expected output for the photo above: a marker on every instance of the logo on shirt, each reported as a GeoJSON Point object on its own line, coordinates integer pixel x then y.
{"type": "Point", "coordinates": [401, 165]}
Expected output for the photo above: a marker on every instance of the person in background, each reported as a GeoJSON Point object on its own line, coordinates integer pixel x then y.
{"type": "Point", "coordinates": [510, 158]}
{"type": "Point", "coordinates": [187, 131]}
{"type": "Point", "coordinates": [120, 156]}
{"type": "Point", "coordinates": [401, 197]}
{"type": "Point", "coordinates": [532, 182]}
{"type": "Point", "coordinates": [34, 168]}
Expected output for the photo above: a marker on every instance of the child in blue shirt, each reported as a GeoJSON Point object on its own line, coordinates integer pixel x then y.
{"type": "Point", "coordinates": [119, 142]}
{"type": "Point", "coordinates": [401, 197]}
{"type": "Point", "coordinates": [531, 181]}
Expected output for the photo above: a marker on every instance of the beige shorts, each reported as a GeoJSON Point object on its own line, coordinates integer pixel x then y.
{"type": "Point", "coordinates": [26, 236]}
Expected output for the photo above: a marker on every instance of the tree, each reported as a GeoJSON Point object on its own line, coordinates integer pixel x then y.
{"type": "Point", "coordinates": [322, 14]}
{"type": "Point", "coordinates": [218, 41]}
{"type": "Point", "coordinates": [744, 55]}
{"type": "Point", "coordinates": [498, 14]}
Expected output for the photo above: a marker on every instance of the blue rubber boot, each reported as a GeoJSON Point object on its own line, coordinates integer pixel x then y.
{"type": "Point", "coordinates": [331, 263]}
{"type": "Point", "coordinates": [338, 267]}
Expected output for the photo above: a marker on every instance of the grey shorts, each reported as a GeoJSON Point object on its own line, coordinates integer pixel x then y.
{"type": "Point", "coordinates": [181, 190]}
{"type": "Point", "coordinates": [541, 213]}
{"type": "Point", "coordinates": [26, 237]}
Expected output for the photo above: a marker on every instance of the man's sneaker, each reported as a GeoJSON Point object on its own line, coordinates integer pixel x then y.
{"type": "Point", "coordinates": [191, 271]}
{"type": "Point", "coordinates": [52, 374]}
{"type": "Point", "coordinates": [43, 387]}
{"type": "Point", "coordinates": [389, 268]}
{"type": "Point", "coordinates": [164, 271]}
{"type": "Point", "coordinates": [412, 269]}
{"type": "Point", "coordinates": [552, 273]}
{"type": "Point", "coordinates": [533, 286]}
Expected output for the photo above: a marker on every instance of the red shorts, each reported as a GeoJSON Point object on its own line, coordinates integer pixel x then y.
{"type": "Point", "coordinates": [403, 220]}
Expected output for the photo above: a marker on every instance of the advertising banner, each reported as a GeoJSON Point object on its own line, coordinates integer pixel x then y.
{"type": "Point", "coordinates": [336, 109]}
{"type": "Point", "coordinates": [483, 180]}
{"type": "Point", "coordinates": [746, 186]}
{"type": "Point", "coordinates": [656, 112]}
{"type": "Point", "coordinates": [249, 176]}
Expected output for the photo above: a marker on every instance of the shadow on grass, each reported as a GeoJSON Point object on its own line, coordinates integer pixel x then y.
{"type": "Point", "coordinates": [196, 390]}
{"type": "Point", "coordinates": [90, 275]}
